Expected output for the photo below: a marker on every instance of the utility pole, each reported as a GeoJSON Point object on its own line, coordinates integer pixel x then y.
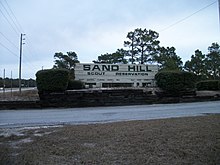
{"type": "Point", "coordinates": [21, 43]}
{"type": "Point", "coordinates": [11, 83]}
{"type": "Point", "coordinates": [4, 83]}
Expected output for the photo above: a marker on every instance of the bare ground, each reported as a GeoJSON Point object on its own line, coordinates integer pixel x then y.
{"type": "Point", "coordinates": [191, 140]}
{"type": "Point", "coordinates": [25, 95]}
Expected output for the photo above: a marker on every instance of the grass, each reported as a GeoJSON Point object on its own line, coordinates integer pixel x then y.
{"type": "Point", "coordinates": [190, 140]}
{"type": "Point", "coordinates": [25, 95]}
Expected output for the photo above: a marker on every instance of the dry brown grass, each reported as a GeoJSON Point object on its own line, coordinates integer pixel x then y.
{"type": "Point", "coordinates": [192, 140]}
{"type": "Point", "coordinates": [26, 95]}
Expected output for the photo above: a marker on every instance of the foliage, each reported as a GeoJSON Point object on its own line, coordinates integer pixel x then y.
{"type": "Point", "coordinates": [14, 83]}
{"type": "Point", "coordinates": [168, 59]}
{"type": "Point", "coordinates": [52, 80]}
{"type": "Point", "coordinates": [175, 82]}
{"type": "Point", "coordinates": [208, 85]}
{"type": "Point", "coordinates": [205, 66]}
{"type": "Point", "coordinates": [144, 48]}
{"type": "Point", "coordinates": [75, 84]}
{"type": "Point", "coordinates": [65, 61]}
{"type": "Point", "coordinates": [147, 45]}
{"type": "Point", "coordinates": [213, 61]}
{"type": "Point", "coordinates": [197, 64]}
{"type": "Point", "coordinates": [143, 45]}
{"type": "Point", "coordinates": [115, 58]}
{"type": "Point", "coordinates": [132, 44]}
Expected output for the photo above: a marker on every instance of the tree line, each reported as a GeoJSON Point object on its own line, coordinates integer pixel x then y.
{"type": "Point", "coordinates": [14, 83]}
{"type": "Point", "coordinates": [143, 47]}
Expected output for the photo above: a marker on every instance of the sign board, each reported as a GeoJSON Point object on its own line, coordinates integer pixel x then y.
{"type": "Point", "coordinates": [115, 73]}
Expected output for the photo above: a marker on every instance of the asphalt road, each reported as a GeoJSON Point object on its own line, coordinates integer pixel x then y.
{"type": "Point", "coordinates": [7, 90]}
{"type": "Point", "coordinates": [23, 118]}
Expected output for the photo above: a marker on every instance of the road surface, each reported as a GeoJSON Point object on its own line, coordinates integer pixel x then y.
{"type": "Point", "coordinates": [7, 90]}
{"type": "Point", "coordinates": [23, 118]}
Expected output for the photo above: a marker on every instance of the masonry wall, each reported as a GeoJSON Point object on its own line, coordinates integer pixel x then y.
{"type": "Point", "coordinates": [98, 97]}
{"type": "Point", "coordinates": [104, 97]}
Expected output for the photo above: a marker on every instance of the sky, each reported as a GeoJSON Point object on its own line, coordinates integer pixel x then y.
{"type": "Point", "coordinates": [94, 27]}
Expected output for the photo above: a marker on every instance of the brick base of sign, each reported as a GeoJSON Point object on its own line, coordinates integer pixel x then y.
{"type": "Point", "coordinates": [103, 97]}
{"type": "Point", "coordinates": [99, 97]}
{"type": "Point", "coordinates": [113, 97]}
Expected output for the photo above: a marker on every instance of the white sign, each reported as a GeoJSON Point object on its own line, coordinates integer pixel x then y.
{"type": "Point", "coordinates": [115, 73]}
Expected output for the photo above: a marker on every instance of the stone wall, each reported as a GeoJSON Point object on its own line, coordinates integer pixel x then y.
{"type": "Point", "coordinates": [6, 105]}
{"type": "Point", "coordinates": [97, 97]}
{"type": "Point", "coordinates": [103, 97]}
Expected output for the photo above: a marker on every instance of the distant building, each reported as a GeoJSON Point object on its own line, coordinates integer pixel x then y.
{"type": "Point", "coordinates": [116, 75]}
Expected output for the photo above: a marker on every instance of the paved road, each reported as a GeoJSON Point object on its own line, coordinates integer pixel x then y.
{"type": "Point", "coordinates": [21, 118]}
{"type": "Point", "coordinates": [7, 90]}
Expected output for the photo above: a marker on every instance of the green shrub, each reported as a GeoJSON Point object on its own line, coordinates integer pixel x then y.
{"type": "Point", "coordinates": [175, 82]}
{"type": "Point", "coordinates": [75, 84]}
{"type": "Point", "coordinates": [208, 85]}
{"type": "Point", "coordinates": [52, 80]}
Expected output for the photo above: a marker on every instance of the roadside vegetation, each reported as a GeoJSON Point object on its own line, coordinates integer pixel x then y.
{"type": "Point", "coordinates": [141, 46]}
{"type": "Point", "coordinates": [189, 140]}
{"type": "Point", "coordinates": [14, 83]}
{"type": "Point", "coordinates": [25, 95]}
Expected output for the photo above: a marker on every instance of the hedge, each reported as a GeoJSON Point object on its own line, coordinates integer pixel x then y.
{"type": "Point", "coordinates": [176, 82]}
{"type": "Point", "coordinates": [52, 80]}
{"type": "Point", "coordinates": [208, 85]}
{"type": "Point", "coordinates": [75, 84]}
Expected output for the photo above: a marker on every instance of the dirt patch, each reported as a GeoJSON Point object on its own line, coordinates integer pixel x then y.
{"type": "Point", "coordinates": [192, 140]}
{"type": "Point", "coordinates": [208, 93]}
{"type": "Point", "coordinates": [25, 95]}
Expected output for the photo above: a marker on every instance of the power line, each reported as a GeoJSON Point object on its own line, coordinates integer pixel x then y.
{"type": "Point", "coordinates": [18, 27]}
{"type": "Point", "coordinates": [9, 22]}
{"type": "Point", "coordinates": [18, 24]}
{"type": "Point", "coordinates": [29, 43]}
{"type": "Point", "coordinates": [168, 27]}
{"type": "Point", "coordinates": [28, 46]}
{"type": "Point", "coordinates": [12, 20]}
{"type": "Point", "coordinates": [9, 40]}
{"type": "Point", "coordinates": [16, 20]}
{"type": "Point", "coordinates": [26, 60]}
{"type": "Point", "coordinates": [32, 54]}
{"type": "Point", "coordinates": [9, 50]}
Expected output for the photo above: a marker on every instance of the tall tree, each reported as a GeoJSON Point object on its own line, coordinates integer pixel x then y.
{"type": "Point", "coordinates": [143, 43]}
{"type": "Point", "coordinates": [120, 56]}
{"type": "Point", "coordinates": [168, 59]}
{"type": "Point", "coordinates": [104, 58]}
{"type": "Point", "coordinates": [213, 61]}
{"type": "Point", "coordinates": [197, 64]}
{"type": "Point", "coordinates": [132, 44]}
{"type": "Point", "coordinates": [66, 61]}
{"type": "Point", "coordinates": [147, 44]}
{"type": "Point", "coordinates": [115, 58]}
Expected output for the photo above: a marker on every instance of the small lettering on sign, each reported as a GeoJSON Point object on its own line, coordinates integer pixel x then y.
{"type": "Point", "coordinates": [95, 73]}
{"type": "Point", "coordinates": [131, 74]}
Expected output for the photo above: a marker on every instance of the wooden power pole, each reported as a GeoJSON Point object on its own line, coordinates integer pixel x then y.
{"type": "Point", "coordinates": [21, 43]}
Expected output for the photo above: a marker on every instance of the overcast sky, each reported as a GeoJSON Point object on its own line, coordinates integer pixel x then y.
{"type": "Point", "coordinates": [94, 27]}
